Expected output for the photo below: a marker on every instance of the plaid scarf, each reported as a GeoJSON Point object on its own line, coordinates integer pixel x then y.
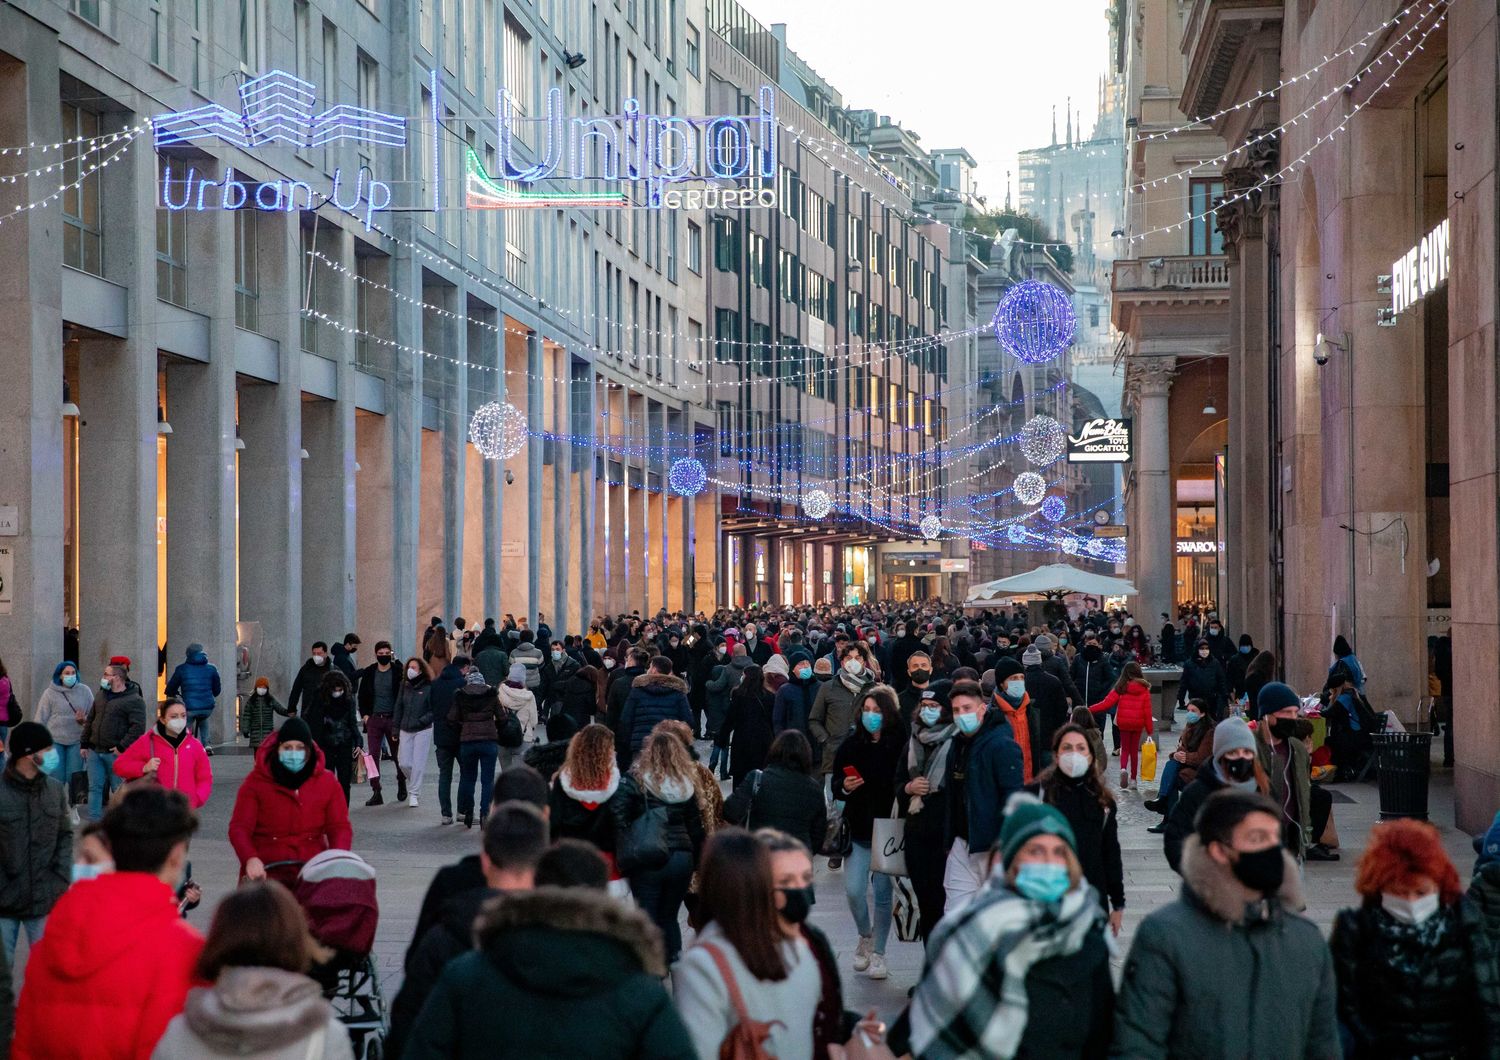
{"type": "Point", "coordinates": [971, 1002]}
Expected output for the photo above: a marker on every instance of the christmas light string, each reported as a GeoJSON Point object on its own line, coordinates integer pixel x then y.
{"type": "Point", "coordinates": [63, 189]}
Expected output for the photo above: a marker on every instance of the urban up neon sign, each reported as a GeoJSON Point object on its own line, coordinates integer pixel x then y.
{"type": "Point", "coordinates": [635, 159]}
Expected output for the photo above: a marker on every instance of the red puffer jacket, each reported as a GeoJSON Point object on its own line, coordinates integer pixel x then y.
{"type": "Point", "coordinates": [277, 823]}
{"type": "Point", "coordinates": [1134, 704]}
{"type": "Point", "coordinates": [111, 971]}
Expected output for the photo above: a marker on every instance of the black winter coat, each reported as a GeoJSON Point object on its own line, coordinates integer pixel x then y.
{"type": "Point", "coordinates": [1092, 677]}
{"type": "Point", "coordinates": [440, 701]}
{"type": "Point", "coordinates": [570, 819]}
{"type": "Point", "coordinates": [747, 731]}
{"type": "Point", "coordinates": [1204, 679]}
{"type": "Point", "coordinates": [477, 715]}
{"type": "Point", "coordinates": [1179, 823]}
{"type": "Point", "coordinates": [684, 819]}
{"type": "Point", "coordinates": [788, 801]}
{"type": "Point", "coordinates": [1446, 1003]}
{"type": "Point", "coordinates": [1057, 666]}
{"type": "Point", "coordinates": [1051, 704]}
{"type": "Point", "coordinates": [36, 845]}
{"type": "Point", "coordinates": [580, 699]}
{"type": "Point", "coordinates": [332, 720]}
{"type": "Point", "coordinates": [653, 698]}
{"type": "Point", "coordinates": [877, 762]}
{"type": "Point", "coordinates": [452, 936]}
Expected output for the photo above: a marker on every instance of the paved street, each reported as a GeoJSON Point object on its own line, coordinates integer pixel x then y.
{"type": "Point", "coordinates": [407, 846]}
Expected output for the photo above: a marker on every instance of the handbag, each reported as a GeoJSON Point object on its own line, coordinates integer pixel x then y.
{"type": "Point", "coordinates": [510, 733]}
{"type": "Point", "coordinates": [837, 841]}
{"type": "Point", "coordinates": [904, 911]}
{"type": "Point", "coordinates": [78, 788]}
{"type": "Point", "coordinates": [1148, 759]}
{"type": "Point", "coordinates": [643, 846]}
{"type": "Point", "coordinates": [741, 801]}
{"type": "Point", "coordinates": [361, 767]}
{"type": "Point", "coordinates": [888, 845]}
{"type": "Point", "coordinates": [746, 1040]}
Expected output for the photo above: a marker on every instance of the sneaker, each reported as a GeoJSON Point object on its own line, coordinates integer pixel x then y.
{"type": "Point", "coordinates": [1124, 780]}
{"type": "Point", "coordinates": [446, 820]}
{"type": "Point", "coordinates": [208, 750]}
{"type": "Point", "coordinates": [412, 802]}
{"type": "Point", "coordinates": [1319, 852]}
{"type": "Point", "coordinates": [375, 800]}
{"type": "Point", "coordinates": [1115, 753]}
{"type": "Point", "coordinates": [862, 954]}
{"type": "Point", "coordinates": [834, 864]}
{"type": "Point", "coordinates": [877, 966]}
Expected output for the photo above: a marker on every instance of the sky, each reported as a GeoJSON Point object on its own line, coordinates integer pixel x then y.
{"type": "Point", "coordinates": [979, 74]}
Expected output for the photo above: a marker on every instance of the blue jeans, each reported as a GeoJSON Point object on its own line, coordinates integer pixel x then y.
{"type": "Point", "coordinates": [102, 781]}
{"type": "Point", "coordinates": [4, 736]}
{"type": "Point", "coordinates": [659, 893]}
{"type": "Point", "coordinates": [1168, 786]}
{"type": "Point", "coordinates": [198, 726]}
{"type": "Point", "coordinates": [445, 760]}
{"type": "Point", "coordinates": [476, 758]}
{"type": "Point", "coordinates": [69, 761]}
{"type": "Point", "coordinates": [10, 934]}
{"type": "Point", "coordinates": [857, 876]}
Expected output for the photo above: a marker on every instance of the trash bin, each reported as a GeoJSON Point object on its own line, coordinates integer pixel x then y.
{"type": "Point", "coordinates": [1404, 760]}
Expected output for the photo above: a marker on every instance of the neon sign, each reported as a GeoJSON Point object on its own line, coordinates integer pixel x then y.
{"type": "Point", "coordinates": [1421, 270]}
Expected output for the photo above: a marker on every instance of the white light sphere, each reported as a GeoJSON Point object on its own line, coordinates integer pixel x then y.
{"type": "Point", "coordinates": [816, 503]}
{"type": "Point", "coordinates": [1070, 545]}
{"type": "Point", "coordinates": [931, 526]}
{"type": "Point", "coordinates": [498, 430]}
{"type": "Point", "coordinates": [1043, 440]}
{"type": "Point", "coordinates": [1029, 488]}
{"type": "Point", "coordinates": [687, 476]}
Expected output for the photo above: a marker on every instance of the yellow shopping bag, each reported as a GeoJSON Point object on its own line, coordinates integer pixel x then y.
{"type": "Point", "coordinates": [1148, 759]}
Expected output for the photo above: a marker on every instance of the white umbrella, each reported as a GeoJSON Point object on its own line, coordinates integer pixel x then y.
{"type": "Point", "coordinates": [1054, 579]}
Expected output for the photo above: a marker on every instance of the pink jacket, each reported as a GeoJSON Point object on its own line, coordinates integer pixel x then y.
{"type": "Point", "coordinates": [184, 767]}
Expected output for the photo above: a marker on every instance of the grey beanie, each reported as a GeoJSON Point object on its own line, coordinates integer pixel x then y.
{"type": "Point", "coordinates": [1044, 642]}
{"type": "Point", "coordinates": [1232, 734]}
{"type": "Point", "coordinates": [475, 679]}
{"type": "Point", "coordinates": [1031, 657]}
{"type": "Point", "coordinates": [517, 674]}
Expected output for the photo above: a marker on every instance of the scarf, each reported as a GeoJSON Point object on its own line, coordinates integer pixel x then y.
{"type": "Point", "coordinates": [963, 1010]}
{"type": "Point", "coordinates": [1408, 948]}
{"type": "Point", "coordinates": [1019, 729]}
{"type": "Point", "coordinates": [854, 683]}
{"type": "Point", "coordinates": [927, 756]}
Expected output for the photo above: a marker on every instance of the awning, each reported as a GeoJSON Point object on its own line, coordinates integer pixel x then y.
{"type": "Point", "coordinates": [1054, 579]}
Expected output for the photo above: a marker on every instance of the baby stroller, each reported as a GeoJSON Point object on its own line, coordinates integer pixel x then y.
{"type": "Point", "coordinates": [336, 890]}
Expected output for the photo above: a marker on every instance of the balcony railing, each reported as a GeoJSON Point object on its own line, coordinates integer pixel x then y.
{"type": "Point", "coordinates": [1176, 273]}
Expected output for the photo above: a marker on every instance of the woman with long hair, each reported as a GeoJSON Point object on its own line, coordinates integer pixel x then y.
{"type": "Point", "coordinates": [583, 695]}
{"type": "Point", "coordinates": [1132, 695]}
{"type": "Point", "coordinates": [1260, 672]}
{"type": "Point", "coordinates": [580, 798]}
{"type": "Point", "coordinates": [747, 730]}
{"type": "Point", "coordinates": [922, 776]}
{"type": "Point", "coordinates": [1074, 783]}
{"type": "Point", "coordinates": [663, 778]}
{"type": "Point", "coordinates": [1415, 967]}
{"type": "Point", "coordinates": [864, 778]}
{"type": "Point", "coordinates": [944, 662]}
{"type": "Point", "coordinates": [745, 967]}
{"type": "Point", "coordinates": [785, 795]}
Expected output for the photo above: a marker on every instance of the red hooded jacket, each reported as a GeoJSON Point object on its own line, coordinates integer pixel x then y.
{"type": "Point", "coordinates": [277, 823]}
{"type": "Point", "coordinates": [111, 971]}
{"type": "Point", "coordinates": [1135, 707]}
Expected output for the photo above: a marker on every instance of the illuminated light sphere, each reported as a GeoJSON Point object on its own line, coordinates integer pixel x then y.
{"type": "Point", "coordinates": [1070, 545]}
{"type": "Point", "coordinates": [1054, 509]}
{"type": "Point", "coordinates": [1043, 440]}
{"type": "Point", "coordinates": [1034, 322]}
{"type": "Point", "coordinates": [1029, 488]}
{"type": "Point", "coordinates": [931, 526]}
{"type": "Point", "coordinates": [498, 430]}
{"type": "Point", "coordinates": [1095, 547]}
{"type": "Point", "coordinates": [1016, 533]}
{"type": "Point", "coordinates": [687, 476]}
{"type": "Point", "coordinates": [816, 503]}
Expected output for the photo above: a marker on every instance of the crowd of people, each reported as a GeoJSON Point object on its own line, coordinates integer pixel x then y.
{"type": "Point", "coordinates": [669, 768]}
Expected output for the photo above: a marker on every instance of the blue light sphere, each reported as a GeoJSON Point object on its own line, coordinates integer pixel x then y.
{"type": "Point", "coordinates": [1054, 509]}
{"type": "Point", "coordinates": [1070, 545]}
{"type": "Point", "coordinates": [1016, 532]}
{"type": "Point", "coordinates": [1034, 322]}
{"type": "Point", "coordinates": [687, 476]}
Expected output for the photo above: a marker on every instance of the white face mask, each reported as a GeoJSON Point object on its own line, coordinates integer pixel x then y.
{"type": "Point", "coordinates": [854, 666]}
{"type": "Point", "coordinates": [411, 673]}
{"type": "Point", "coordinates": [1073, 764]}
{"type": "Point", "coordinates": [1413, 910]}
{"type": "Point", "coordinates": [319, 660]}
{"type": "Point", "coordinates": [260, 691]}
{"type": "Point", "coordinates": [176, 725]}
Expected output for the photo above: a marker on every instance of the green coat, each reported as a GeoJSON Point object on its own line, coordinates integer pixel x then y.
{"type": "Point", "coordinates": [1301, 778]}
{"type": "Point", "coordinates": [834, 712]}
{"type": "Point", "coordinates": [558, 972]}
{"type": "Point", "coordinates": [36, 844]}
{"type": "Point", "coordinates": [1215, 976]}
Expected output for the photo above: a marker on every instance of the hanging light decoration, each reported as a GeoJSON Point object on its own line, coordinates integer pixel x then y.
{"type": "Point", "coordinates": [498, 430]}
{"type": "Point", "coordinates": [931, 526]}
{"type": "Point", "coordinates": [1070, 544]}
{"type": "Point", "coordinates": [1054, 509]}
{"type": "Point", "coordinates": [687, 476]}
{"type": "Point", "coordinates": [1034, 322]}
{"type": "Point", "coordinates": [1016, 532]}
{"type": "Point", "coordinates": [1043, 440]}
{"type": "Point", "coordinates": [816, 503]}
{"type": "Point", "coordinates": [1029, 488]}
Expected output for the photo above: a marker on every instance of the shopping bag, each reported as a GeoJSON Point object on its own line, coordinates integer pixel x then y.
{"type": "Point", "coordinates": [888, 846]}
{"type": "Point", "coordinates": [1148, 759]}
{"type": "Point", "coordinates": [904, 909]}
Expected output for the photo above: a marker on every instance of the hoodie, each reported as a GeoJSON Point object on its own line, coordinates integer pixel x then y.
{"type": "Point", "coordinates": [271, 1013]}
{"type": "Point", "coordinates": [112, 970]}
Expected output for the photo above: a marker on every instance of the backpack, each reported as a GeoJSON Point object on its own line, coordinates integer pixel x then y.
{"type": "Point", "coordinates": [10, 711]}
{"type": "Point", "coordinates": [746, 1040]}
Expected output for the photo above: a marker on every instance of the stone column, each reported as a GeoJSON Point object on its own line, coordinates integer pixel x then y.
{"type": "Point", "coordinates": [454, 402]}
{"type": "Point", "coordinates": [1154, 543]}
{"type": "Point", "coordinates": [583, 469]}
{"type": "Point", "coordinates": [563, 555]}
{"type": "Point", "coordinates": [533, 456]}
{"type": "Point", "coordinates": [404, 410]}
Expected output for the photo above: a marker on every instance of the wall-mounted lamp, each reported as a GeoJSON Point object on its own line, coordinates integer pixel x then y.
{"type": "Point", "coordinates": [162, 426]}
{"type": "Point", "coordinates": [69, 410]}
{"type": "Point", "coordinates": [303, 453]}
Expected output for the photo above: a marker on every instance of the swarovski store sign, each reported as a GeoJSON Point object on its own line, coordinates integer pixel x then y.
{"type": "Point", "coordinates": [1100, 441]}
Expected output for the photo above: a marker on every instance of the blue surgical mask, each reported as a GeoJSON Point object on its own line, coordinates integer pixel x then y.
{"type": "Point", "coordinates": [83, 872]}
{"type": "Point", "coordinates": [968, 724]}
{"type": "Point", "coordinates": [930, 715]}
{"type": "Point", "coordinates": [293, 758]}
{"type": "Point", "coordinates": [1193, 717]}
{"type": "Point", "coordinates": [1043, 881]}
{"type": "Point", "coordinates": [49, 759]}
{"type": "Point", "coordinates": [871, 722]}
{"type": "Point", "coordinates": [804, 672]}
{"type": "Point", "coordinates": [1244, 649]}
{"type": "Point", "coordinates": [69, 680]}
{"type": "Point", "coordinates": [1014, 690]}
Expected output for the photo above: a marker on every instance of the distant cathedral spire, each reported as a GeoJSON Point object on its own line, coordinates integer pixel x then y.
{"type": "Point", "coordinates": [1054, 125]}
{"type": "Point", "coordinates": [1070, 121]}
{"type": "Point", "coordinates": [1007, 191]}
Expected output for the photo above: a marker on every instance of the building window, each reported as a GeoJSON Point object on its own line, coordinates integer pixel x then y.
{"type": "Point", "coordinates": [246, 272]}
{"type": "Point", "coordinates": [726, 253]}
{"type": "Point", "coordinates": [759, 260]}
{"type": "Point", "coordinates": [518, 75]}
{"type": "Point", "coordinates": [726, 335]}
{"type": "Point", "coordinates": [157, 23]}
{"type": "Point", "coordinates": [695, 247]}
{"type": "Point", "coordinates": [672, 246]}
{"type": "Point", "coordinates": [726, 429]}
{"type": "Point", "coordinates": [301, 35]}
{"type": "Point", "coordinates": [473, 38]}
{"type": "Point", "coordinates": [518, 245]}
{"type": "Point", "coordinates": [1204, 236]}
{"type": "Point", "coordinates": [694, 46]}
{"type": "Point", "coordinates": [171, 252]}
{"type": "Point", "coordinates": [249, 35]}
{"type": "Point", "coordinates": [452, 30]}
{"type": "Point", "coordinates": [427, 24]}
{"type": "Point", "coordinates": [695, 340]}
{"type": "Point", "coordinates": [82, 231]}
{"type": "Point", "coordinates": [1093, 316]}
{"type": "Point", "coordinates": [367, 93]}
{"type": "Point", "coordinates": [309, 296]}
{"type": "Point", "coordinates": [88, 10]}
{"type": "Point", "coordinates": [197, 34]}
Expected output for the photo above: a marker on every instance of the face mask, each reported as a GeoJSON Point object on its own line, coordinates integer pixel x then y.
{"type": "Point", "coordinates": [1114, 629]}
{"type": "Point", "coordinates": [719, 651]}
{"type": "Point", "coordinates": [1073, 764]}
{"type": "Point", "coordinates": [49, 759]}
{"type": "Point", "coordinates": [1193, 717]}
{"type": "Point", "coordinates": [873, 639]}
{"type": "Point", "coordinates": [69, 680]}
{"type": "Point", "coordinates": [292, 758]}
{"type": "Point", "coordinates": [176, 725]}
{"type": "Point", "coordinates": [1014, 690]}
{"type": "Point", "coordinates": [1413, 910]}
{"type": "Point", "coordinates": [319, 660]}
{"type": "Point", "coordinates": [260, 691]}
{"type": "Point", "coordinates": [968, 724]}
{"type": "Point", "coordinates": [1203, 653]}
{"type": "Point", "coordinates": [1043, 881]}
{"type": "Point", "coordinates": [1213, 633]}
{"type": "Point", "coordinates": [804, 673]}
{"type": "Point", "coordinates": [799, 903]}
{"type": "Point", "coordinates": [1237, 769]}
{"type": "Point", "coordinates": [383, 659]}
{"type": "Point", "coordinates": [930, 715]}
{"type": "Point", "coordinates": [609, 664]}
{"type": "Point", "coordinates": [871, 722]}
{"type": "Point", "coordinates": [1063, 641]}
{"type": "Point", "coordinates": [83, 872]}
{"type": "Point", "coordinates": [921, 677]}
{"type": "Point", "coordinates": [557, 656]}
{"type": "Point", "coordinates": [104, 683]}
{"type": "Point", "coordinates": [338, 693]}
{"type": "Point", "coordinates": [1284, 728]}
{"type": "Point", "coordinates": [1261, 870]}
{"type": "Point", "coordinates": [854, 666]}
{"type": "Point", "coordinates": [411, 673]}
{"type": "Point", "coordinates": [1244, 649]}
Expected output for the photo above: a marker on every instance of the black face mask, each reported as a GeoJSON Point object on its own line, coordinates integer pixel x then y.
{"type": "Point", "coordinates": [799, 903]}
{"type": "Point", "coordinates": [1262, 870]}
{"type": "Point", "coordinates": [1284, 728]}
{"type": "Point", "coordinates": [1238, 768]}
{"type": "Point", "coordinates": [920, 676]}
